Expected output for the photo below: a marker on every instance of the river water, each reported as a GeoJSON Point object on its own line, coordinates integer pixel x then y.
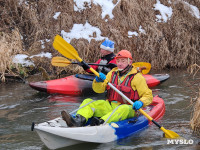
{"type": "Point", "coordinates": [20, 106]}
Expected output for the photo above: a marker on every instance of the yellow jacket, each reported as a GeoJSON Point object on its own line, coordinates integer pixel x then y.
{"type": "Point", "coordinates": [138, 83]}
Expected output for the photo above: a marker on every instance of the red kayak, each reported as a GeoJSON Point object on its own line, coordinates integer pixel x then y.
{"type": "Point", "coordinates": [81, 84]}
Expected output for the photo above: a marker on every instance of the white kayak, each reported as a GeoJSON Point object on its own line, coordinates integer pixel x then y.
{"type": "Point", "coordinates": [56, 134]}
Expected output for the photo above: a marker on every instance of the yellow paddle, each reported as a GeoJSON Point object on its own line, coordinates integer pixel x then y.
{"type": "Point", "coordinates": [60, 62]}
{"type": "Point", "coordinates": [69, 51]}
{"type": "Point", "coordinates": [143, 67]}
{"type": "Point", "coordinates": [64, 62]}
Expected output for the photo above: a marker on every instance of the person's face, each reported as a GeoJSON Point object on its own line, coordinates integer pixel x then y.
{"type": "Point", "coordinates": [104, 52]}
{"type": "Point", "coordinates": [123, 62]}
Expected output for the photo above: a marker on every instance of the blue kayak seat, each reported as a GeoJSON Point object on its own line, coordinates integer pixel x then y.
{"type": "Point", "coordinates": [85, 77]}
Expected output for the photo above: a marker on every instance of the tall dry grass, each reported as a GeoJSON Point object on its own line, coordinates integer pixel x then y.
{"type": "Point", "coordinates": [173, 44]}
{"type": "Point", "coordinates": [10, 44]}
{"type": "Point", "coordinates": [195, 116]}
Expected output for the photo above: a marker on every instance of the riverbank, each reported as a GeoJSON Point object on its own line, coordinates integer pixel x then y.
{"type": "Point", "coordinates": [166, 39]}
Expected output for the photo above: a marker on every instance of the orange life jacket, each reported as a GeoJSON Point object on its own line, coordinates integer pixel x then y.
{"type": "Point", "coordinates": [124, 87]}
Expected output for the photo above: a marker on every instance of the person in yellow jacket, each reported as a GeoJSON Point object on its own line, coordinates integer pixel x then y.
{"type": "Point", "coordinates": [126, 79]}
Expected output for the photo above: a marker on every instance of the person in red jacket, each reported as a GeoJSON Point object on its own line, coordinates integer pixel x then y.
{"type": "Point", "coordinates": [107, 59]}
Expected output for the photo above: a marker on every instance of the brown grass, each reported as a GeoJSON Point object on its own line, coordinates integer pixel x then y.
{"type": "Point", "coordinates": [10, 44]}
{"type": "Point", "coordinates": [195, 116]}
{"type": "Point", "coordinates": [174, 44]}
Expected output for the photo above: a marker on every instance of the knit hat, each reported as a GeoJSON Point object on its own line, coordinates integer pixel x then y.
{"type": "Point", "coordinates": [108, 45]}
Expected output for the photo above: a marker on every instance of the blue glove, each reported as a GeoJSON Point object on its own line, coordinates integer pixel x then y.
{"type": "Point", "coordinates": [137, 105]}
{"type": "Point", "coordinates": [101, 77]}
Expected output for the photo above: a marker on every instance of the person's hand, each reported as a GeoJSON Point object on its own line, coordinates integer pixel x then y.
{"type": "Point", "coordinates": [101, 77]}
{"type": "Point", "coordinates": [137, 105]}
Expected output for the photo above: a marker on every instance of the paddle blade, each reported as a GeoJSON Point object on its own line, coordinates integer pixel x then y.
{"type": "Point", "coordinates": [64, 48]}
{"type": "Point", "coordinates": [143, 64]}
{"type": "Point", "coordinates": [60, 62]}
{"type": "Point", "coordinates": [171, 134]}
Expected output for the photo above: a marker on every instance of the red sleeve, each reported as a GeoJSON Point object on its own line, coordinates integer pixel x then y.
{"type": "Point", "coordinates": [94, 66]}
{"type": "Point", "coordinates": [113, 61]}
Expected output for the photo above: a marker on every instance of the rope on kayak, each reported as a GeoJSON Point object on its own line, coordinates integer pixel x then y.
{"type": "Point", "coordinates": [111, 115]}
{"type": "Point", "coordinates": [81, 107]}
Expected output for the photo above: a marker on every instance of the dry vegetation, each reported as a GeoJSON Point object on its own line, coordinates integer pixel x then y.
{"type": "Point", "coordinates": [195, 117]}
{"type": "Point", "coordinates": [10, 44]}
{"type": "Point", "coordinates": [173, 44]}
{"type": "Point", "coordinates": [195, 120]}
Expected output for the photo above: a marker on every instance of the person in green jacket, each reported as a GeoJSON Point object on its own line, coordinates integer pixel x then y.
{"type": "Point", "coordinates": [126, 79]}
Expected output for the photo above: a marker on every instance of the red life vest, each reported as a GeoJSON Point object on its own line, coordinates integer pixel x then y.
{"type": "Point", "coordinates": [124, 87]}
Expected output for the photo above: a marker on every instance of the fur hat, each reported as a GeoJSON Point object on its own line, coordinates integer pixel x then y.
{"type": "Point", "coordinates": [108, 45]}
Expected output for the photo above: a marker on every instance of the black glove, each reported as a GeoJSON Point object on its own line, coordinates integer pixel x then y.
{"type": "Point", "coordinates": [111, 65]}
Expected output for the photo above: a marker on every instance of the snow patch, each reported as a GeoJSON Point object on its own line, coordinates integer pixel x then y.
{"type": "Point", "coordinates": [165, 12]}
{"type": "Point", "coordinates": [42, 54]}
{"type": "Point", "coordinates": [22, 58]}
{"type": "Point", "coordinates": [130, 33]}
{"type": "Point", "coordinates": [107, 6]}
{"type": "Point", "coordinates": [142, 30]}
{"type": "Point", "coordinates": [56, 15]}
{"type": "Point", "coordinates": [194, 11]}
{"type": "Point", "coordinates": [83, 31]}
{"type": "Point", "coordinates": [43, 41]}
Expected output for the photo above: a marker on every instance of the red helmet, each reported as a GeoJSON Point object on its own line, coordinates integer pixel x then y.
{"type": "Point", "coordinates": [124, 54]}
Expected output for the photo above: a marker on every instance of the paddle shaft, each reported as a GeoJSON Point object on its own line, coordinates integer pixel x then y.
{"type": "Point", "coordinates": [91, 64]}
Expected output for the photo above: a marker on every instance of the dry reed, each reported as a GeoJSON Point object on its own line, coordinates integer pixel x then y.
{"type": "Point", "coordinates": [10, 44]}
{"type": "Point", "coordinates": [173, 44]}
{"type": "Point", "coordinates": [195, 119]}
{"type": "Point", "coordinates": [195, 116]}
